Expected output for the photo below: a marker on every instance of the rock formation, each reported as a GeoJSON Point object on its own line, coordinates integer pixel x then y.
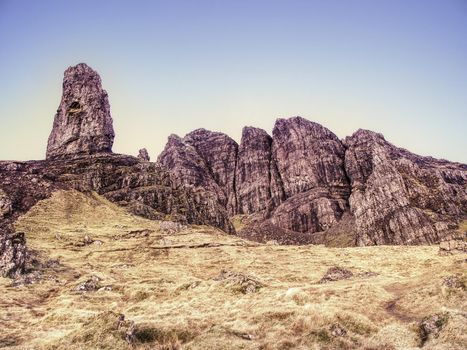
{"type": "Point", "coordinates": [144, 155]}
{"type": "Point", "coordinates": [145, 188]}
{"type": "Point", "coordinates": [252, 174]}
{"type": "Point", "coordinates": [79, 157]}
{"type": "Point", "coordinates": [13, 253]}
{"type": "Point", "coordinates": [399, 197]}
{"type": "Point", "coordinates": [310, 163]}
{"type": "Point", "coordinates": [205, 160]}
{"type": "Point", "coordinates": [304, 185]}
{"type": "Point", "coordinates": [83, 124]}
{"type": "Point", "coordinates": [308, 156]}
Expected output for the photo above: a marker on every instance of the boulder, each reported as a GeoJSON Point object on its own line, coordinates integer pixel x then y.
{"type": "Point", "coordinates": [336, 273]}
{"type": "Point", "coordinates": [13, 253]}
{"type": "Point", "coordinates": [143, 155]}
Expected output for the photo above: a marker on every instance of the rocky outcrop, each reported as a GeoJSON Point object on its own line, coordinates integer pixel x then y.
{"type": "Point", "coordinates": [304, 185]}
{"type": "Point", "coordinates": [145, 188]}
{"type": "Point", "coordinates": [295, 180]}
{"type": "Point", "coordinates": [5, 205]}
{"type": "Point", "coordinates": [83, 124]}
{"type": "Point", "coordinates": [219, 153]}
{"type": "Point", "coordinates": [401, 198]}
{"type": "Point", "coordinates": [189, 169]}
{"type": "Point", "coordinates": [13, 253]}
{"type": "Point", "coordinates": [144, 155]}
{"type": "Point", "coordinates": [308, 156]}
{"type": "Point", "coordinates": [310, 163]}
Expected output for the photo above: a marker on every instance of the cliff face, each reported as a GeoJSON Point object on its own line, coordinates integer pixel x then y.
{"type": "Point", "coordinates": [205, 160]}
{"type": "Point", "coordinates": [253, 176]}
{"type": "Point", "coordinates": [304, 185]}
{"type": "Point", "coordinates": [310, 163]}
{"type": "Point", "coordinates": [401, 198]}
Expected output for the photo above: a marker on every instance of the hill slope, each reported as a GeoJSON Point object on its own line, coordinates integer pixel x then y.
{"type": "Point", "coordinates": [194, 287]}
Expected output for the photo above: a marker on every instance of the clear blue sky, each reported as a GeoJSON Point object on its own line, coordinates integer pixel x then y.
{"type": "Point", "coordinates": [398, 67]}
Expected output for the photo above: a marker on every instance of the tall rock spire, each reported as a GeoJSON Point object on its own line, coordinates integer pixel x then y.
{"type": "Point", "coordinates": [82, 125]}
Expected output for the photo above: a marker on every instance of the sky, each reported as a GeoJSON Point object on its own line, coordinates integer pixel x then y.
{"type": "Point", "coordinates": [398, 67]}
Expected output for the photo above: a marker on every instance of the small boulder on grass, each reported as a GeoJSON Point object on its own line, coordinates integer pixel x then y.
{"type": "Point", "coordinates": [239, 282]}
{"type": "Point", "coordinates": [336, 273]}
{"type": "Point", "coordinates": [454, 282]}
{"type": "Point", "coordinates": [453, 246]}
{"type": "Point", "coordinates": [106, 330]}
{"type": "Point", "coordinates": [90, 285]}
{"type": "Point", "coordinates": [432, 325]}
{"type": "Point", "coordinates": [338, 331]}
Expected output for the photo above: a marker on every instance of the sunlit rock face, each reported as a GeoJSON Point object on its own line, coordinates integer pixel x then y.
{"type": "Point", "coordinates": [83, 124]}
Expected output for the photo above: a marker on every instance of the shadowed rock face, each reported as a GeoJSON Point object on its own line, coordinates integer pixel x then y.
{"type": "Point", "coordinates": [83, 124]}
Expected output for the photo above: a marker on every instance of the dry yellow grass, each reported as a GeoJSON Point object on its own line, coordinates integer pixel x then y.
{"type": "Point", "coordinates": [166, 283]}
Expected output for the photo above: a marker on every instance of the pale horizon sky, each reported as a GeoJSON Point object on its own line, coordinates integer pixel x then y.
{"type": "Point", "coordinates": [398, 67]}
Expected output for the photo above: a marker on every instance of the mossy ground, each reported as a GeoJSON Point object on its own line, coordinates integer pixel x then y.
{"type": "Point", "coordinates": [166, 284]}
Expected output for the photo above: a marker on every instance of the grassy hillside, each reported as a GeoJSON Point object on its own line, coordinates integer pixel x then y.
{"type": "Point", "coordinates": [198, 288]}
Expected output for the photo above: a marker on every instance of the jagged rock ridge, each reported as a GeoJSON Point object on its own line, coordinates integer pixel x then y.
{"type": "Point", "coordinates": [304, 185]}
